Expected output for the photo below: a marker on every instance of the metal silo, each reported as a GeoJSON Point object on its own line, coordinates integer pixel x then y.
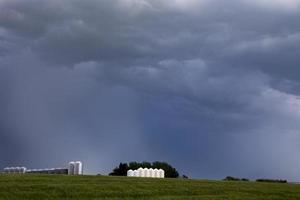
{"type": "Point", "coordinates": [151, 173]}
{"type": "Point", "coordinates": [146, 172]}
{"type": "Point", "coordinates": [136, 173]}
{"type": "Point", "coordinates": [18, 170]}
{"type": "Point", "coordinates": [71, 169]}
{"type": "Point", "coordinates": [23, 170]}
{"type": "Point", "coordinates": [78, 168]}
{"type": "Point", "coordinates": [130, 173]}
{"type": "Point", "coordinates": [141, 172]}
{"type": "Point", "coordinates": [14, 170]}
{"type": "Point", "coordinates": [161, 173]}
{"type": "Point", "coordinates": [81, 168]}
{"type": "Point", "coordinates": [155, 173]}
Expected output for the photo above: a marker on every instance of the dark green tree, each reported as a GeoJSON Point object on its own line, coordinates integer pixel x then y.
{"type": "Point", "coordinates": [146, 165]}
{"type": "Point", "coordinates": [120, 171]}
{"type": "Point", "coordinates": [170, 172]}
{"type": "Point", "coordinates": [134, 165]}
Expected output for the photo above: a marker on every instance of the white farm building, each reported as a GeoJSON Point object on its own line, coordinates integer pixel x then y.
{"type": "Point", "coordinates": [145, 172]}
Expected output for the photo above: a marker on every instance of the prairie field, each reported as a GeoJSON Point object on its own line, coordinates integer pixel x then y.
{"type": "Point", "coordinates": [39, 187]}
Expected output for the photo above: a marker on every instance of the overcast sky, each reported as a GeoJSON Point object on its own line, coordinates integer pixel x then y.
{"type": "Point", "coordinates": [210, 86]}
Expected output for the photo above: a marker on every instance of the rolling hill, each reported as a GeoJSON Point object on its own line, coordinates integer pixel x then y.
{"type": "Point", "coordinates": [39, 187]}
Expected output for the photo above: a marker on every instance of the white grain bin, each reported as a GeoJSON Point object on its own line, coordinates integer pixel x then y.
{"type": "Point", "coordinates": [14, 170]}
{"type": "Point", "coordinates": [78, 168]}
{"type": "Point", "coordinates": [71, 168]}
{"type": "Point", "coordinates": [136, 173]}
{"type": "Point", "coordinates": [130, 173]}
{"type": "Point", "coordinates": [161, 173]}
{"type": "Point", "coordinates": [151, 173]}
{"type": "Point", "coordinates": [146, 172]}
{"type": "Point", "coordinates": [155, 173]}
{"type": "Point", "coordinates": [18, 170]}
{"type": "Point", "coordinates": [23, 170]}
{"type": "Point", "coordinates": [141, 172]}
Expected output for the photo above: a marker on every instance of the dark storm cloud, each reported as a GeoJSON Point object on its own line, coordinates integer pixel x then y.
{"type": "Point", "coordinates": [209, 86]}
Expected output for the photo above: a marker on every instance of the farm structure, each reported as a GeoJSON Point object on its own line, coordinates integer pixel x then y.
{"type": "Point", "coordinates": [74, 168]}
{"type": "Point", "coordinates": [145, 172]}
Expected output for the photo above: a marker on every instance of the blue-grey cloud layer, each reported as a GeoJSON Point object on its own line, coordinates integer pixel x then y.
{"type": "Point", "coordinates": [209, 86]}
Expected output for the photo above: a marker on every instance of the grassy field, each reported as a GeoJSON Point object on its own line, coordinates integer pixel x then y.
{"type": "Point", "coordinates": [39, 187]}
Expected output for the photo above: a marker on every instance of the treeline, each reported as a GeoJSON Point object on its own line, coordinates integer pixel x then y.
{"type": "Point", "coordinates": [231, 178]}
{"type": "Point", "coordinates": [121, 170]}
{"type": "Point", "coordinates": [271, 180]}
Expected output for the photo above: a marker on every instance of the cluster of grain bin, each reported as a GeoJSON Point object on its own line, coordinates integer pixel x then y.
{"type": "Point", "coordinates": [15, 170]}
{"type": "Point", "coordinates": [75, 168]}
{"type": "Point", "coordinates": [145, 172]}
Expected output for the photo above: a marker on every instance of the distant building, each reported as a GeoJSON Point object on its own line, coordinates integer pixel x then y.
{"type": "Point", "coordinates": [74, 168]}
{"type": "Point", "coordinates": [48, 171]}
{"type": "Point", "coordinates": [15, 170]}
{"type": "Point", "coordinates": [145, 172]}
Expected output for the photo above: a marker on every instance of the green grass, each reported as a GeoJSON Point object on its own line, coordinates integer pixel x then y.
{"type": "Point", "coordinates": [39, 187]}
